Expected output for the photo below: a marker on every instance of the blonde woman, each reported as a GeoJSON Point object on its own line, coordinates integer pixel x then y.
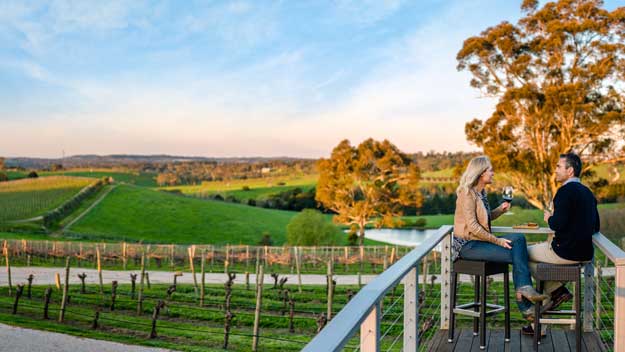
{"type": "Point", "coordinates": [473, 239]}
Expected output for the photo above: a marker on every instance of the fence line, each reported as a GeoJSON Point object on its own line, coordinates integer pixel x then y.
{"type": "Point", "coordinates": [123, 254]}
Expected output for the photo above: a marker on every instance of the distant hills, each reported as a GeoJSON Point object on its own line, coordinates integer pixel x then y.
{"type": "Point", "coordinates": [92, 160]}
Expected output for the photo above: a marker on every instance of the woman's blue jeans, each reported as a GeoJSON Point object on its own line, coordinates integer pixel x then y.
{"type": "Point", "coordinates": [517, 256]}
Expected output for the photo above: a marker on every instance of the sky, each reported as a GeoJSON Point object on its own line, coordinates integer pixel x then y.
{"type": "Point", "coordinates": [237, 78]}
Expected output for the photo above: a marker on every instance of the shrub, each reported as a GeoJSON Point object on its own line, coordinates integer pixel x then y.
{"type": "Point", "coordinates": [251, 202]}
{"type": "Point", "coordinates": [352, 238]}
{"type": "Point", "coordinates": [3, 176]}
{"type": "Point", "coordinates": [420, 222]}
{"type": "Point", "coordinates": [281, 183]}
{"type": "Point", "coordinates": [32, 174]}
{"type": "Point", "coordinates": [172, 191]}
{"type": "Point", "coordinates": [246, 188]}
{"type": "Point", "coordinates": [311, 228]}
{"type": "Point", "coordinates": [232, 199]}
{"type": "Point", "coordinates": [266, 240]}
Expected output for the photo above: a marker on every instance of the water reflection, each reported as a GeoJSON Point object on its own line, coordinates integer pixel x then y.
{"type": "Point", "coordinates": [403, 237]}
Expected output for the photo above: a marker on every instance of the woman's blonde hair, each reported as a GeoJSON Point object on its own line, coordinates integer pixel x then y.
{"type": "Point", "coordinates": [471, 175]}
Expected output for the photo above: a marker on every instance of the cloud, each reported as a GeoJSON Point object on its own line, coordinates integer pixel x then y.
{"type": "Point", "coordinates": [239, 25]}
{"type": "Point", "coordinates": [366, 12]}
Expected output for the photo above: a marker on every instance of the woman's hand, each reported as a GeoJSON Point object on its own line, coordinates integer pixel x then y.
{"type": "Point", "coordinates": [505, 206]}
{"type": "Point", "coordinates": [505, 243]}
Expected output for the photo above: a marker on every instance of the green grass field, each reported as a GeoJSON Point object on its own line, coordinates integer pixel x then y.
{"type": "Point", "coordinates": [259, 188]}
{"type": "Point", "coordinates": [84, 205]}
{"type": "Point", "coordinates": [140, 214]}
{"type": "Point", "coordinates": [16, 175]}
{"type": "Point", "coordinates": [439, 173]}
{"type": "Point", "coordinates": [27, 198]}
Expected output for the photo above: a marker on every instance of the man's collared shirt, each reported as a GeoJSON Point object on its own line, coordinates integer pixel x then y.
{"type": "Point", "coordinates": [572, 179]}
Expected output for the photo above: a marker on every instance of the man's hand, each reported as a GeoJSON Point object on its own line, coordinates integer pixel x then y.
{"type": "Point", "coordinates": [505, 206]}
{"type": "Point", "coordinates": [547, 215]}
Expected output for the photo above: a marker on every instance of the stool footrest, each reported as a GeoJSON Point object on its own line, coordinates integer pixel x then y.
{"type": "Point", "coordinates": [478, 304]}
{"type": "Point", "coordinates": [463, 310]}
{"type": "Point", "coordinates": [558, 312]}
{"type": "Point", "coordinates": [557, 321]}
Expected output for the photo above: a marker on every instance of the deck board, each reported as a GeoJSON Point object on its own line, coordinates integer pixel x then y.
{"type": "Point", "coordinates": [557, 340]}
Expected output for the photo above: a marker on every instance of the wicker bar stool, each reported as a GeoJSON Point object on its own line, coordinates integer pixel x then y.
{"type": "Point", "coordinates": [479, 308]}
{"type": "Point", "coordinates": [555, 272]}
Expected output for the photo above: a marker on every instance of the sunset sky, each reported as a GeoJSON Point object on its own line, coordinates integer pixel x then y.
{"type": "Point", "coordinates": [237, 78]}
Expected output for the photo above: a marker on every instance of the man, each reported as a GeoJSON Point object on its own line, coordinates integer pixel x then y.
{"type": "Point", "coordinates": [574, 219]}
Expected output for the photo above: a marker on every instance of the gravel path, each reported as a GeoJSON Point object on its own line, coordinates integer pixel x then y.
{"type": "Point", "coordinates": [16, 339]}
{"type": "Point", "coordinates": [45, 276]}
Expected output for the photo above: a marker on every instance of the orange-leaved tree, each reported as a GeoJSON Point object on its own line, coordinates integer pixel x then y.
{"type": "Point", "coordinates": [558, 76]}
{"type": "Point", "coordinates": [368, 184]}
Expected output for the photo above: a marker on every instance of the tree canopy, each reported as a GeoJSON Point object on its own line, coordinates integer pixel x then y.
{"type": "Point", "coordinates": [368, 184]}
{"type": "Point", "coordinates": [558, 75]}
{"type": "Point", "coordinates": [311, 228]}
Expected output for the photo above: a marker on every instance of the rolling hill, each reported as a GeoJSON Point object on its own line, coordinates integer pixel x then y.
{"type": "Point", "coordinates": [140, 214]}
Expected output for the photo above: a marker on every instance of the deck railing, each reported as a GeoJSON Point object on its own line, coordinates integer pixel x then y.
{"type": "Point", "coordinates": [371, 320]}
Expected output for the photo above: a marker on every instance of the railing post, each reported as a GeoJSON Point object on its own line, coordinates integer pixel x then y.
{"type": "Point", "coordinates": [589, 295]}
{"type": "Point", "coordinates": [619, 307]}
{"type": "Point", "coordinates": [370, 331]}
{"type": "Point", "coordinates": [411, 310]}
{"type": "Point", "coordinates": [444, 277]}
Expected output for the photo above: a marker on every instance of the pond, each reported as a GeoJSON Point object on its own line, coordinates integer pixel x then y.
{"type": "Point", "coordinates": [402, 237]}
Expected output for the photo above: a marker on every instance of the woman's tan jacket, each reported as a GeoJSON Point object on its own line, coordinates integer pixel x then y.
{"type": "Point", "coordinates": [471, 218]}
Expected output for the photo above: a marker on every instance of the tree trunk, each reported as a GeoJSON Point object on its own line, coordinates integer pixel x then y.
{"type": "Point", "coordinates": [361, 232]}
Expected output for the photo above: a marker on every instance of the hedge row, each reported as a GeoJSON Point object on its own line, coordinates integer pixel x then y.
{"type": "Point", "coordinates": [54, 216]}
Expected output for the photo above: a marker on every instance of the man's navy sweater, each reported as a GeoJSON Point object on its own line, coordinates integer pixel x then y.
{"type": "Point", "coordinates": [575, 220]}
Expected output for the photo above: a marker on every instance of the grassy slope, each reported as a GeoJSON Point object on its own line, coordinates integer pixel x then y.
{"type": "Point", "coordinates": [85, 204]}
{"type": "Point", "coordinates": [141, 214]}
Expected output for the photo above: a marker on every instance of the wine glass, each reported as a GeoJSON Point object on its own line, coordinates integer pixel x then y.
{"type": "Point", "coordinates": [507, 194]}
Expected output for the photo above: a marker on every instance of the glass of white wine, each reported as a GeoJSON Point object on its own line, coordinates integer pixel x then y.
{"type": "Point", "coordinates": [507, 194]}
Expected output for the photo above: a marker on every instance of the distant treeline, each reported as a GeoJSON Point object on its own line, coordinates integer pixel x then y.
{"type": "Point", "coordinates": [435, 161]}
{"type": "Point", "coordinates": [175, 170]}
{"type": "Point", "coordinates": [189, 173]}
{"type": "Point", "coordinates": [195, 172]}
{"type": "Point", "coordinates": [437, 199]}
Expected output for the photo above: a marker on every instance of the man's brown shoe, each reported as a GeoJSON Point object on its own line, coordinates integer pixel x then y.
{"type": "Point", "coordinates": [558, 296]}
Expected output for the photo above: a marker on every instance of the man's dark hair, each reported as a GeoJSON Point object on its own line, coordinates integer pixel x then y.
{"type": "Point", "coordinates": [572, 160]}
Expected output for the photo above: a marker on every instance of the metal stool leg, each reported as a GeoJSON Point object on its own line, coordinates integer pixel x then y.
{"type": "Point", "coordinates": [506, 293]}
{"type": "Point", "coordinates": [452, 305]}
{"type": "Point", "coordinates": [476, 299]}
{"type": "Point", "coordinates": [578, 315]}
{"type": "Point", "coordinates": [483, 314]}
{"type": "Point", "coordinates": [537, 328]}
